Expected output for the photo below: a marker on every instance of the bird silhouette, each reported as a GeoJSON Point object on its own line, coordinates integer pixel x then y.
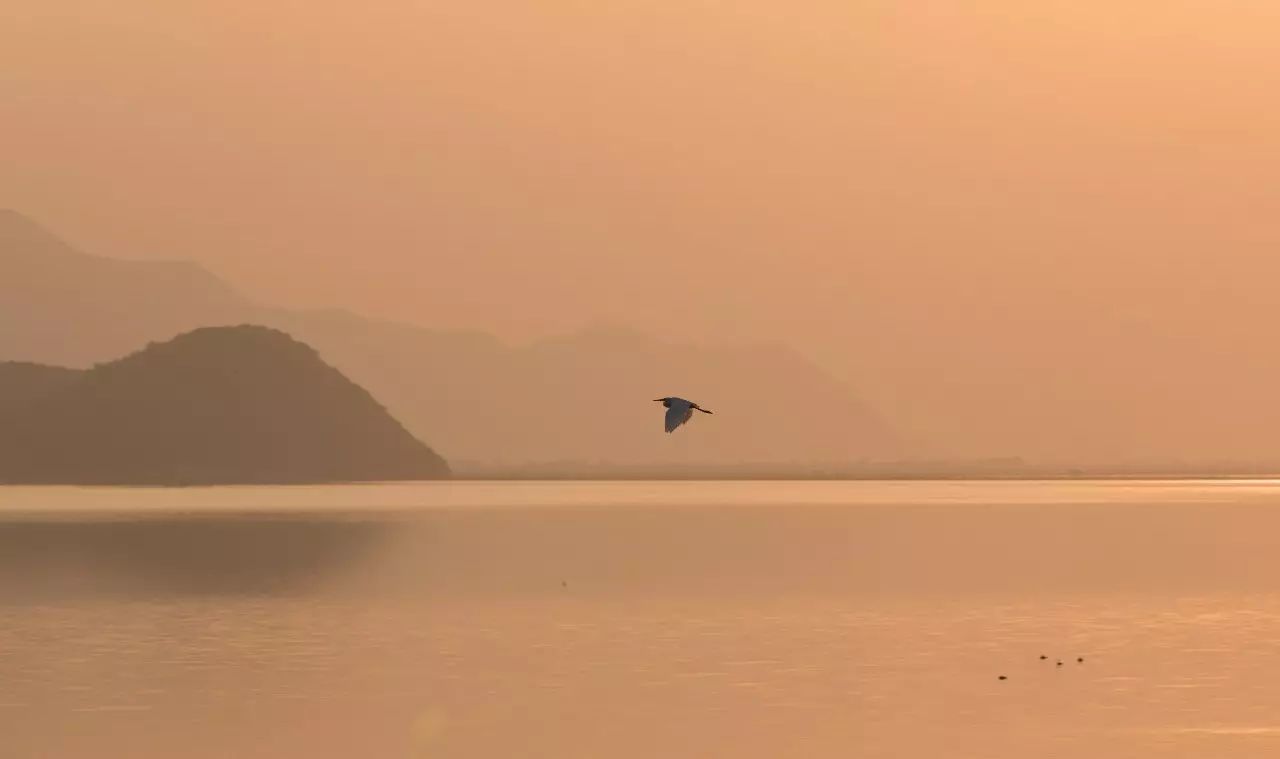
{"type": "Point", "coordinates": [678, 411]}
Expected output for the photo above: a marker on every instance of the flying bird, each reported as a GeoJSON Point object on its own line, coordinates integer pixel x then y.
{"type": "Point", "coordinates": [678, 411]}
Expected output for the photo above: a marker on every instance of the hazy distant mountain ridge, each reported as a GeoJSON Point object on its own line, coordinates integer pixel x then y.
{"type": "Point", "coordinates": [583, 397]}
{"type": "Point", "coordinates": [60, 306]}
{"type": "Point", "coordinates": [588, 397]}
{"type": "Point", "coordinates": [217, 405]}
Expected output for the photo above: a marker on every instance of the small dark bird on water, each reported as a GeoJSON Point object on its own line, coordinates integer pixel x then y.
{"type": "Point", "coordinates": [1002, 677]}
{"type": "Point", "coordinates": [1043, 657]}
{"type": "Point", "coordinates": [1059, 664]}
{"type": "Point", "coordinates": [1079, 660]}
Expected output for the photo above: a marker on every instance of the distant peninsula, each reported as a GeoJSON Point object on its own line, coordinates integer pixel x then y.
{"type": "Point", "coordinates": [217, 405]}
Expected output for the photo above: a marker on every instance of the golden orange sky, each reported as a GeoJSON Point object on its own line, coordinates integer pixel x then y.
{"type": "Point", "coordinates": [954, 204]}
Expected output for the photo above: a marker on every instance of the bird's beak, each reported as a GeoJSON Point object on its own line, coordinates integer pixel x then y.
{"type": "Point", "coordinates": [656, 400]}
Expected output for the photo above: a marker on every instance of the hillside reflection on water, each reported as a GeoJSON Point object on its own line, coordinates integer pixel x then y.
{"type": "Point", "coordinates": [636, 620]}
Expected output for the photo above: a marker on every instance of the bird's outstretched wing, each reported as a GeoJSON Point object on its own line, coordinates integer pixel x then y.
{"type": "Point", "coordinates": [677, 414]}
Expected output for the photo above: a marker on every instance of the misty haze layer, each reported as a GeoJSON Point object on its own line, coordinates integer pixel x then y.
{"type": "Point", "coordinates": [1039, 229]}
{"type": "Point", "coordinates": [582, 398]}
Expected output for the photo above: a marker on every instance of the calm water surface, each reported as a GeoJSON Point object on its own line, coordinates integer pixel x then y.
{"type": "Point", "coordinates": [646, 620]}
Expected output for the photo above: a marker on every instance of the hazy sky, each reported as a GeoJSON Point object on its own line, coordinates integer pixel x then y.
{"type": "Point", "coordinates": [945, 201]}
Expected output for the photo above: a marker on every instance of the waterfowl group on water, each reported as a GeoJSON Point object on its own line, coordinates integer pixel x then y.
{"type": "Point", "coordinates": [1044, 657]}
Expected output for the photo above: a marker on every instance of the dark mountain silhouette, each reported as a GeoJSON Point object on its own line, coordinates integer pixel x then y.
{"type": "Point", "coordinates": [22, 383]}
{"type": "Point", "coordinates": [240, 404]}
{"type": "Point", "coordinates": [585, 397]}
